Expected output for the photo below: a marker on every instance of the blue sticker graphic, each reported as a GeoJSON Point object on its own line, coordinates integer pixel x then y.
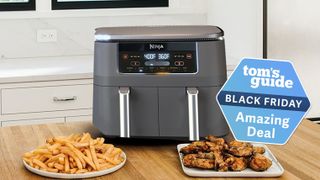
{"type": "Point", "coordinates": [263, 101]}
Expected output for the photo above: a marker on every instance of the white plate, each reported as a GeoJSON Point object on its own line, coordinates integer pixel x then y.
{"type": "Point", "coordinates": [275, 170]}
{"type": "Point", "coordinates": [75, 176]}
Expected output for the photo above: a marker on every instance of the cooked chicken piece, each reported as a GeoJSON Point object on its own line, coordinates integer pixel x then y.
{"type": "Point", "coordinates": [220, 165]}
{"type": "Point", "coordinates": [236, 163]}
{"type": "Point", "coordinates": [259, 150]}
{"type": "Point", "coordinates": [193, 161]}
{"type": "Point", "coordinates": [195, 147]}
{"type": "Point", "coordinates": [209, 155]}
{"type": "Point", "coordinates": [216, 144]}
{"type": "Point", "coordinates": [216, 140]}
{"type": "Point", "coordinates": [259, 162]}
{"type": "Point", "coordinates": [215, 147]}
{"type": "Point", "coordinates": [235, 143]}
{"type": "Point", "coordinates": [241, 151]}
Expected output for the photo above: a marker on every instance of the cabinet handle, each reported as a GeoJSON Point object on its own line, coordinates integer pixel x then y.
{"type": "Point", "coordinates": [62, 99]}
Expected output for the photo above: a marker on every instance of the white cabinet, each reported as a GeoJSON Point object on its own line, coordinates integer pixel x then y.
{"type": "Point", "coordinates": [46, 102]}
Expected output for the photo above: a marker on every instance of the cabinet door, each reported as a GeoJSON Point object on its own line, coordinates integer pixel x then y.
{"type": "Point", "coordinates": [173, 112]}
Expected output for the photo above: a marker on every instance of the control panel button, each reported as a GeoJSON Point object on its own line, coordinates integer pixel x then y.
{"type": "Point", "coordinates": [179, 63]}
{"type": "Point", "coordinates": [189, 56]}
{"type": "Point", "coordinates": [125, 56]}
{"type": "Point", "coordinates": [135, 63]}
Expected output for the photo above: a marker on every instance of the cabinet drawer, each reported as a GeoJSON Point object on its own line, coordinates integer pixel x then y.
{"type": "Point", "coordinates": [86, 118]}
{"type": "Point", "coordinates": [32, 122]}
{"type": "Point", "coordinates": [45, 99]}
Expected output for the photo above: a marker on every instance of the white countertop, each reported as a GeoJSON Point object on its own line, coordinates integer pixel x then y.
{"type": "Point", "coordinates": [46, 69]}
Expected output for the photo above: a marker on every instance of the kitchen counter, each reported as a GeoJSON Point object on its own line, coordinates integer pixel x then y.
{"type": "Point", "coordinates": [46, 69]}
{"type": "Point", "coordinates": [151, 159]}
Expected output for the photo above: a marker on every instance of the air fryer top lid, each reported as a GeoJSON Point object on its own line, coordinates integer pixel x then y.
{"type": "Point", "coordinates": [158, 33]}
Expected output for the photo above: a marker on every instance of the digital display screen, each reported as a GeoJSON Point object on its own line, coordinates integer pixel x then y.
{"type": "Point", "coordinates": [164, 56]}
{"type": "Point", "coordinates": [156, 56]}
{"type": "Point", "coordinates": [150, 56]}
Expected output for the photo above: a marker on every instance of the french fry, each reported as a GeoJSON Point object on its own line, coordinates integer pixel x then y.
{"type": "Point", "coordinates": [39, 163]}
{"type": "Point", "coordinates": [81, 155]}
{"type": "Point", "coordinates": [94, 155]}
{"type": "Point", "coordinates": [66, 164]}
{"type": "Point", "coordinates": [73, 170]}
{"type": "Point", "coordinates": [71, 164]}
{"type": "Point", "coordinates": [59, 166]}
{"type": "Point", "coordinates": [50, 164]}
{"type": "Point", "coordinates": [76, 159]}
{"type": "Point", "coordinates": [52, 170]}
{"type": "Point", "coordinates": [81, 171]}
{"type": "Point", "coordinates": [54, 158]}
{"type": "Point", "coordinates": [61, 160]}
{"type": "Point", "coordinates": [85, 138]}
{"type": "Point", "coordinates": [41, 151]}
{"type": "Point", "coordinates": [110, 161]}
{"type": "Point", "coordinates": [53, 147]}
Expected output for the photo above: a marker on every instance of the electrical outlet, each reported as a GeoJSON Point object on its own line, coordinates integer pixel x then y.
{"type": "Point", "coordinates": [47, 35]}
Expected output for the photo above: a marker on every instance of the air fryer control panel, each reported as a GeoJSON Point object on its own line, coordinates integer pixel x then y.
{"type": "Point", "coordinates": [157, 57]}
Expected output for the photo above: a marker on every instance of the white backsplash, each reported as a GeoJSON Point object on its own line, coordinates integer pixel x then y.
{"type": "Point", "coordinates": [18, 37]}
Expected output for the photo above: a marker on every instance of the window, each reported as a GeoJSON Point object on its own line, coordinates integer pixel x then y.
{"type": "Point", "coordinates": [17, 5]}
{"type": "Point", "coordinates": [90, 4]}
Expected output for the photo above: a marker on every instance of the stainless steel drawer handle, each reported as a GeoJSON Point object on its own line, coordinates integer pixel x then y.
{"type": "Point", "coordinates": [124, 112]}
{"type": "Point", "coordinates": [59, 99]}
{"type": "Point", "coordinates": [193, 114]}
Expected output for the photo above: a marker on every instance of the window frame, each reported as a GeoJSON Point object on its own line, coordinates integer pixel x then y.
{"type": "Point", "coordinates": [18, 6]}
{"type": "Point", "coordinates": [108, 4]}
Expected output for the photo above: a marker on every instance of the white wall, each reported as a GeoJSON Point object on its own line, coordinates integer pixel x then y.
{"type": "Point", "coordinates": [76, 27]}
{"type": "Point", "coordinates": [293, 34]}
{"type": "Point", "coordinates": [241, 21]}
{"type": "Point", "coordinates": [243, 26]}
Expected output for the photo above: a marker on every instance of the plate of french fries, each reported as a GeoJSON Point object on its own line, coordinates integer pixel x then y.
{"type": "Point", "coordinates": [74, 156]}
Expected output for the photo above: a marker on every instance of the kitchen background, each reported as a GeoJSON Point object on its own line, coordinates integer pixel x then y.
{"type": "Point", "coordinates": [290, 35]}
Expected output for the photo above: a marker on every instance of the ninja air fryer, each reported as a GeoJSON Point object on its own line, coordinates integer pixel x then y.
{"type": "Point", "coordinates": [159, 82]}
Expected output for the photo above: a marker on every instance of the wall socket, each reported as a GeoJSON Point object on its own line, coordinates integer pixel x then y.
{"type": "Point", "coordinates": [47, 35]}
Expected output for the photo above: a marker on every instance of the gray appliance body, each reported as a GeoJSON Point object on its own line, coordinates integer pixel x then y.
{"type": "Point", "coordinates": [157, 103]}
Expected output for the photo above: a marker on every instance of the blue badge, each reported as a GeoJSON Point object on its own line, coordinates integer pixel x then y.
{"type": "Point", "coordinates": [263, 101]}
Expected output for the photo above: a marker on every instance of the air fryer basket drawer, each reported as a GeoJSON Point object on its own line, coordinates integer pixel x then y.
{"type": "Point", "coordinates": [211, 120]}
{"type": "Point", "coordinates": [173, 114]}
{"type": "Point", "coordinates": [144, 111]}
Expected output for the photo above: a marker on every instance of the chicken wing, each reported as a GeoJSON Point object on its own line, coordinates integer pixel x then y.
{"type": "Point", "coordinates": [259, 162]}
{"type": "Point", "coordinates": [259, 150]}
{"type": "Point", "coordinates": [195, 147]}
{"type": "Point", "coordinates": [240, 149]}
{"type": "Point", "coordinates": [216, 144]}
{"type": "Point", "coordinates": [235, 143]}
{"type": "Point", "coordinates": [193, 161]}
{"type": "Point", "coordinates": [236, 163]}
